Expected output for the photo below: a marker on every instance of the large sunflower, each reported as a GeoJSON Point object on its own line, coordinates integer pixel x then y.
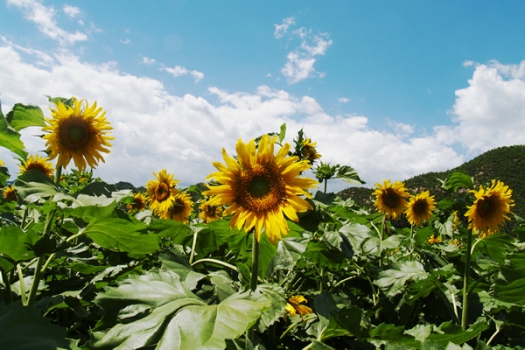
{"type": "Point", "coordinates": [420, 208]}
{"type": "Point", "coordinates": [181, 209]}
{"type": "Point", "coordinates": [139, 202]}
{"type": "Point", "coordinates": [37, 163]}
{"type": "Point", "coordinates": [261, 188]}
{"type": "Point", "coordinates": [209, 213]}
{"type": "Point", "coordinates": [79, 132]}
{"type": "Point", "coordinates": [161, 192]}
{"type": "Point", "coordinates": [391, 199]}
{"type": "Point", "coordinates": [491, 208]}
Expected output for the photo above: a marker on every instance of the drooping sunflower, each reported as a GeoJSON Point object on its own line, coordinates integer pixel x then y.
{"type": "Point", "coordinates": [209, 213]}
{"type": "Point", "coordinates": [294, 306]}
{"type": "Point", "coordinates": [80, 133]}
{"type": "Point", "coordinates": [161, 192]}
{"type": "Point", "coordinates": [181, 209]}
{"type": "Point", "coordinates": [490, 208]}
{"type": "Point", "coordinates": [261, 188]}
{"type": "Point", "coordinates": [391, 199]}
{"type": "Point", "coordinates": [10, 193]}
{"type": "Point", "coordinates": [420, 208]}
{"type": "Point", "coordinates": [139, 202]}
{"type": "Point", "coordinates": [309, 151]}
{"type": "Point", "coordinates": [37, 163]}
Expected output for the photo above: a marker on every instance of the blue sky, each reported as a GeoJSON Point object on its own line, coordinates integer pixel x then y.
{"type": "Point", "coordinates": [392, 88]}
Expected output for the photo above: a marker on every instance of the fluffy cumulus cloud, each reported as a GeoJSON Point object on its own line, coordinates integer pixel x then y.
{"type": "Point", "coordinates": [300, 62]}
{"type": "Point", "coordinates": [43, 17]}
{"type": "Point", "coordinates": [178, 71]}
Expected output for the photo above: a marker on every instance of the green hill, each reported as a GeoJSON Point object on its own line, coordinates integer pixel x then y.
{"type": "Point", "coordinates": [504, 163]}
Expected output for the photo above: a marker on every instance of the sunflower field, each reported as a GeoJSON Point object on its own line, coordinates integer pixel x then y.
{"type": "Point", "coordinates": [255, 256]}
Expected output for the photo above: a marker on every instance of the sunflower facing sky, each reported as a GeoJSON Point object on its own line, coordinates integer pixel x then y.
{"type": "Point", "coordinates": [262, 189]}
{"type": "Point", "coordinates": [420, 208]}
{"type": "Point", "coordinates": [490, 208]}
{"type": "Point", "coordinates": [37, 163]}
{"type": "Point", "coordinates": [391, 199]}
{"type": "Point", "coordinates": [209, 213]}
{"type": "Point", "coordinates": [161, 192]}
{"type": "Point", "coordinates": [182, 208]}
{"type": "Point", "coordinates": [80, 133]}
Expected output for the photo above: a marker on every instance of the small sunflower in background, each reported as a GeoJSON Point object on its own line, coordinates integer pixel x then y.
{"type": "Point", "coordinates": [490, 208]}
{"type": "Point", "coordinates": [420, 208]}
{"type": "Point", "coordinates": [2, 162]}
{"type": "Point", "coordinates": [10, 193]}
{"type": "Point", "coordinates": [391, 199]}
{"type": "Point", "coordinates": [138, 204]}
{"type": "Point", "coordinates": [181, 209]}
{"type": "Point", "coordinates": [295, 306]}
{"type": "Point", "coordinates": [309, 151]}
{"type": "Point", "coordinates": [37, 163]}
{"type": "Point", "coordinates": [209, 213]}
{"type": "Point", "coordinates": [434, 240]}
{"type": "Point", "coordinates": [79, 132]}
{"type": "Point", "coordinates": [262, 189]}
{"type": "Point", "coordinates": [161, 192]}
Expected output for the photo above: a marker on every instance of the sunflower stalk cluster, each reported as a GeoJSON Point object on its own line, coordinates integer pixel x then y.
{"type": "Point", "coordinates": [250, 257]}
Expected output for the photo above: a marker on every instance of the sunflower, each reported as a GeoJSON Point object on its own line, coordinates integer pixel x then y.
{"type": "Point", "coordinates": [294, 306]}
{"type": "Point", "coordinates": [2, 162]}
{"type": "Point", "coordinates": [420, 208]}
{"type": "Point", "coordinates": [182, 208]}
{"type": "Point", "coordinates": [434, 240]}
{"type": "Point", "coordinates": [77, 132]}
{"type": "Point", "coordinates": [261, 188]}
{"type": "Point", "coordinates": [139, 203]}
{"type": "Point", "coordinates": [161, 192]}
{"type": "Point", "coordinates": [10, 193]}
{"type": "Point", "coordinates": [391, 199]}
{"type": "Point", "coordinates": [308, 150]}
{"type": "Point", "coordinates": [37, 163]}
{"type": "Point", "coordinates": [491, 208]}
{"type": "Point", "coordinates": [209, 213]}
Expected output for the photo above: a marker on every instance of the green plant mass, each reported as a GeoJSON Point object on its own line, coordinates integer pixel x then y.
{"type": "Point", "coordinates": [255, 256]}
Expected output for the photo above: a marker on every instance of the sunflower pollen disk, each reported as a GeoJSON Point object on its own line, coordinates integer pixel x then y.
{"type": "Point", "coordinates": [391, 199]}
{"type": "Point", "coordinates": [262, 189]}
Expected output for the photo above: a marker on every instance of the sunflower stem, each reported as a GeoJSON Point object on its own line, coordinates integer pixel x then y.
{"type": "Point", "coordinates": [58, 174]}
{"type": "Point", "coordinates": [8, 298]}
{"type": "Point", "coordinates": [466, 273]}
{"type": "Point", "coordinates": [193, 245]}
{"type": "Point", "coordinates": [255, 274]}
{"type": "Point", "coordinates": [22, 284]}
{"type": "Point", "coordinates": [325, 184]}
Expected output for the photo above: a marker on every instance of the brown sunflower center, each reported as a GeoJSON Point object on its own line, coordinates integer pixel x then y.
{"type": "Point", "coordinates": [210, 210]}
{"type": "Point", "coordinates": [261, 189]}
{"type": "Point", "coordinates": [486, 206]}
{"type": "Point", "coordinates": [391, 199]}
{"type": "Point", "coordinates": [178, 207]}
{"type": "Point", "coordinates": [420, 207]}
{"type": "Point", "coordinates": [38, 167]}
{"type": "Point", "coordinates": [75, 133]}
{"type": "Point", "coordinates": [162, 192]}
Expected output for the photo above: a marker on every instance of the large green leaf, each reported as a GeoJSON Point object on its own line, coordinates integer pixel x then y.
{"type": "Point", "coordinates": [34, 185]}
{"type": "Point", "coordinates": [458, 179]}
{"type": "Point", "coordinates": [158, 309]}
{"type": "Point", "coordinates": [513, 292]}
{"type": "Point", "coordinates": [10, 139]}
{"type": "Point", "coordinates": [349, 175]}
{"type": "Point", "coordinates": [122, 235]}
{"type": "Point", "coordinates": [16, 245]}
{"type": "Point", "coordinates": [22, 116]}
{"type": "Point", "coordinates": [450, 332]}
{"type": "Point", "coordinates": [4, 176]}
{"type": "Point", "coordinates": [392, 281]}
{"type": "Point", "coordinates": [23, 328]}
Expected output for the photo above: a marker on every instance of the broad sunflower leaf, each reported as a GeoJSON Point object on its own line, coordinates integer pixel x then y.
{"type": "Point", "coordinates": [157, 310]}
{"type": "Point", "coordinates": [496, 246]}
{"type": "Point", "coordinates": [23, 328]}
{"type": "Point", "coordinates": [458, 179]}
{"type": "Point", "coordinates": [10, 139]}
{"type": "Point", "coordinates": [345, 322]}
{"type": "Point", "coordinates": [23, 116]}
{"type": "Point", "coordinates": [392, 281]}
{"type": "Point", "coordinates": [4, 176]}
{"type": "Point", "coordinates": [34, 185]}
{"type": "Point", "coordinates": [173, 229]}
{"type": "Point", "coordinates": [511, 292]}
{"type": "Point", "coordinates": [275, 295]}
{"type": "Point", "coordinates": [16, 245]}
{"type": "Point", "coordinates": [450, 332]}
{"type": "Point", "coordinates": [121, 235]}
{"type": "Point", "coordinates": [349, 175]}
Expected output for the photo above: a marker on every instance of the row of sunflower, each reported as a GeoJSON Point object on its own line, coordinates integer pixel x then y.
{"type": "Point", "coordinates": [252, 257]}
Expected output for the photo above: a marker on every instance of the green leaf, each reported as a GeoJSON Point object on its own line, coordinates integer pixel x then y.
{"type": "Point", "coordinates": [349, 175]}
{"type": "Point", "coordinates": [496, 246]}
{"type": "Point", "coordinates": [173, 229]}
{"type": "Point", "coordinates": [16, 245]}
{"type": "Point", "coordinates": [22, 116]}
{"type": "Point", "coordinates": [317, 345]}
{"type": "Point", "coordinates": [392, 281]}
{"type": "Point", "coordinates": [512, 292]}
{"type": "Point", "coordinates": [34, 185]}
{"type": "Point", "coordinates": [121, 235]}
{"type": "Point", "coordinates": [10, 139]}
{"type": "Point", "coordinates": [458, 179]}
{"type": "Point", "coordinates": [23, 328]}
{"type": "Point", "coordinates": [450, 332]}
{"type": "Point", "coordinates": [4, 176]}
{"type": "Point", "coordinates": [282, 133]}
{"type": "Point", "coordinates": [275, 295]}
{"type": "Point", "coordinates": [345, 322]}
{"type": "Point", "coordinates": [223, 284]}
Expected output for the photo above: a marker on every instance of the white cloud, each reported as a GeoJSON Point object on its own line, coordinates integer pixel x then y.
{"type": "Point", "coordinates": [343, 100]}
{"type": "Point", "coordinates": [281, 29]}
{"type": "Point", "coordinates": [127, 41]}
{"type": "Point", "coordinates": [43, 17]}
{"type": "Point", "coordinates": [71, 11]}
{"type": "Point", "coordinates": [178, 71]}
{"type": "Point", "coordinates": [148, 61]}
{"type": "Point", "coordinates": [300, 65]}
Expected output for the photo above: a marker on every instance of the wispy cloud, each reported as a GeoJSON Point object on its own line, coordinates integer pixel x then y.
{"type": "Point", "coordinates": [71, 11]}
{"type": "Point", "coordinates": [300, 64]}
{"type": "Point", "coordinates": [178, 71]}
{"type": "Point", "coordinates": [343, 100]}
{"type": "Point", "coordinates": [148, 61]}
{"type": "Point", "coordinates": [43, 17]}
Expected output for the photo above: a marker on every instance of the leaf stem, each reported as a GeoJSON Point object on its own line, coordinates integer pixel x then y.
{"type": "Point", "coordinates": [214, 261]}
{"type": "Point", "coordinates": [22, 284]}
{"type": "Point", "coordinates": [464, 312]}
{"type": "Point", "coordinates": [8, 298]}
{"type": "Point", "coordinates": [193, 245]}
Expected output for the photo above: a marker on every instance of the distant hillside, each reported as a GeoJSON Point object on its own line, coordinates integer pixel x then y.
{"type": "Point", "coordinates": [504, 163]}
